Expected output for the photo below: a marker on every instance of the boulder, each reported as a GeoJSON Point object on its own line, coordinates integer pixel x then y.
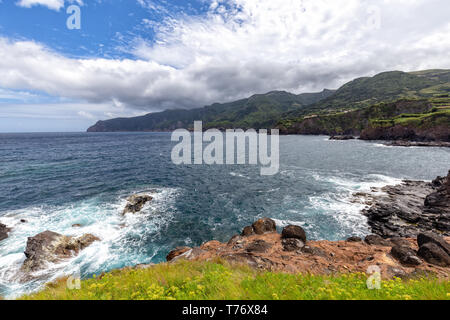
{"type": "Point", "coordinates": [428, 237]}
{"type": "Point", "coordinates": [397, 241]}
{"type": "Point", "coordinates": [136, 203]}
{"type": "Point", "coordinates": [314, 251]}
{"type": "Point", "coordinates": [405, 256]}
{"type": "Point", "coordinates": [292, 244]}
{"type": "Point", "coordinates": [264, 225]}
{"type": "Point", "coordinates": [342, 138]}
{"type": "Point", "coordinates": [51, 247]}
{"type": "Point", "coordinates": [177, 252]}
{"type": "Point", "coordinates": [354, 239]}
{"type": "Point", "coordinates": [434, 254]}
{"type": "Point", "coordinates": [375, 240]}
{"type": "Point", "coordinates": [248, 231]}
{"type": "Point", "coordinates": [294, 232]}
{"type": "Point", "coordinates": [4, 231]}
{"type": "Point", "coordinates": [258, 246]}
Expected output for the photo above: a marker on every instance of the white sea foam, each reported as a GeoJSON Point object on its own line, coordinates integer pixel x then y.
{"type": "Point", "coordinates": [103, 220]}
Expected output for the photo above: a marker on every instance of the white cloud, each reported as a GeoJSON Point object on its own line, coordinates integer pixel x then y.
{"type": "Point", "coordinates": [243, 47]}
{"type": "Point", "coordinates": [51, 4]}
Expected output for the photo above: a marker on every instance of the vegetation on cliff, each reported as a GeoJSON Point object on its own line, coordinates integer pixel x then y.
{"type": "Point", "coordinates": [266, 110]}
{"type": "Point", "coordinates": [190, 280]}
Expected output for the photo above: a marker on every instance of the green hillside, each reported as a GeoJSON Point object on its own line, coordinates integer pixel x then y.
{"type": "Point", "coordinates": [258, 111]}
{"type": "Point", "coordinates": [268, 110]}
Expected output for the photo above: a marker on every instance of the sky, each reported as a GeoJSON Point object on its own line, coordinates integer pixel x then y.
{"type": "Point", "coordinates": [131, 57]}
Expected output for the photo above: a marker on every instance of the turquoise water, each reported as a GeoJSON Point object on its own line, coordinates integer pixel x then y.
{"type": "Point", "coordinates": [56, 180]}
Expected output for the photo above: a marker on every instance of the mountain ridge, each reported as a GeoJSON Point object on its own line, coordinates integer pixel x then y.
{"type": "Point", "coordinates": [267, 110]}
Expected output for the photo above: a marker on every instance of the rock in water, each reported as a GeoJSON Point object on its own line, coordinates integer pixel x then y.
{"type": "Point", "coordinates": [294, 232]}
{"type": "Point", "coordinates": [264, 225]}
{"type": "Point", "coordinates": [51, 247]}
{"type": "Point", "coordinates": [136, 203]}
{"type": "Point", "coordinates": [342, 138]}
{"type": "Point", "coordinates": [406, 256]}
{"type": "Point", "coordinates": [4, 231]}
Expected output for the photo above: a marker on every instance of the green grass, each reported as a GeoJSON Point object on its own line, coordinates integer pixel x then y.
{"type": "Point", "coordinates": [220, 281]}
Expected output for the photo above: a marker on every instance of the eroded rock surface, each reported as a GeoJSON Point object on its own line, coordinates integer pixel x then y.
{"type": "Point", "coordinates": [136, 203]}
{"type": "Point", "coordinates": [4, 230]}
{"type": "Point", "coordinates": [51, 247]}
{"type": "Point", "coordinates": [410, 208]}
{"type": "Point", "coordinates": [272, 251]}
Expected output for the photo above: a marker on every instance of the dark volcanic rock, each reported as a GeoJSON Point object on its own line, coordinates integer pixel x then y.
{"type": "Point", "coordinates": [354, 239]}
{"type": "Point", "coordinates": [342, 138]}
{"type": "Point", "coordinates": [294, 232]}
{"type": "Point", "coordinates": [51, 247]}
{"type": "Point", "coordinates": [405, 143]}
{"type": "Point", "coordinates": [428, 237]}
{"type": "Point", "coordinates": [136, 203]}
{"type": "Point", "coordinates": [248, 231]}
{"type": "Point", "coordinates": [258, 246]}
{"type": "Point", "coordinates": [177, 252]}
{"type": "Point", "coordinates": [410, 208]}
{"type": "Point", "coordinates": [264, 225]}
{"type": "Point", "coordinates": [4, 231]}
{"type": "Point", "coordinates": [405, 256]}
{"type": "Point", "coordinates": [376, 240]}
{"type": "Point", "coordinates": [292, 244]}
{"type": "Point", "coordinates": [434, 254]}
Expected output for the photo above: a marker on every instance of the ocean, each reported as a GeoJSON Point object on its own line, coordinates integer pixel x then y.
{"type": "Point", "coordinates": [57, 180]}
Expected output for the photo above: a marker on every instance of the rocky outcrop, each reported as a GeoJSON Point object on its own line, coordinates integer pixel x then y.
{"type": "Point", "coordinates": [434, 249]}
{"type": "Point", "coordinates": [51, 247]}
{"type": "Point", "coordinates": [287, 253]}
{"type": "Point", "coordinates": [294, 232]}
{"type": "Point", "coordinates": [177, 252]}
{"type": "Point", "coordinates": [405, 143]}
{"type": "Point", "coordinates": [406, 256]}
{"type": "Point", "coordinates": [136, 203]}
{"type": "Point", "coordinates": [408, 133]}
{"type": "Point", "coordinates": [410, 208]}
{"type": "Point", "coordinates": [4, 230]}
{"type": "Point", "coordinates": [261, 226]}
{"type": "Point", "coordinates": [342, 138]}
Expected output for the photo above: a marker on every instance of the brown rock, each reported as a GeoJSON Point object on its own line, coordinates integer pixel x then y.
{"type": "Point", "coordinates": [247, 231]}
{"type": "Point", "coordinates": [291, 245]}
{"type": "Point", "coordinates": [294, 232]}
{"type": "Point", "coordinates": [51, 247]}
{"type": "Point", "coordinates": [258, 246]}
{"type": "Point", "coordinates": [4, 230]}
{"type": "Point", "coordinates": [264, 225]}
{"type": "Point", "coordinates": [176, 252]}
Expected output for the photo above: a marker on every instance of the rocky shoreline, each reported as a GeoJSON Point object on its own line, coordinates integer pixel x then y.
{"type": "Point", "coordinates": [410, 208]}
{"type": "Point", "coordinates": [260, 246]}
{"type": "Point", "coordinates": [410, 223]}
